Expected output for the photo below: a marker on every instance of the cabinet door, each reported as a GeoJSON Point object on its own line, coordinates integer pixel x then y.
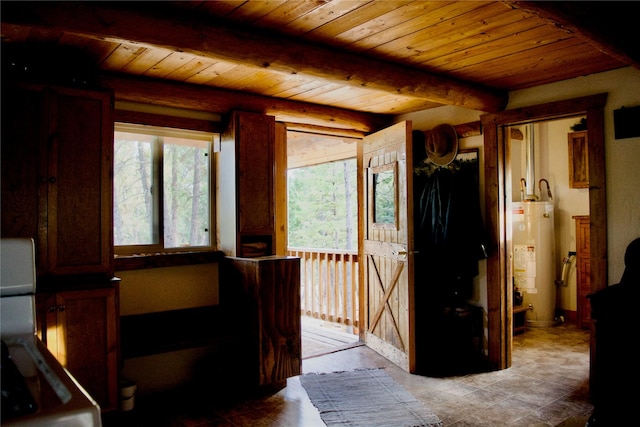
{"type": "Point", "coordinates": [46, 320]}
{"type": "Point", "coordinates": [245, 168]}
{"type": "Point", "coordinates": [280, 343]}
{"type": "Point", "coordinates": [578, 160]}
{"type": "Point", "coordinates": [57, 164]}
{"type": "Point", "coordinates": [255, 138]}
{"type": "Point", "coordinates": [22, 133]}
{"type": "Point", "coordinates": [269, 351]}
{"type": "Point", "coordinates": [83, 337]}
{"type": "Point", "coordinates": [80, 164]}
{"type": "Point", "coordinates": [583, 271]}
{"type": "Point", "coordinates": [584, 284]}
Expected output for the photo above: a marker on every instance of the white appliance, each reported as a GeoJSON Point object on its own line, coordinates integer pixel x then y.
{"type": "Point", "coordinates": [36, 389]}
{"type": "Point", "coordinates": [533, 259]}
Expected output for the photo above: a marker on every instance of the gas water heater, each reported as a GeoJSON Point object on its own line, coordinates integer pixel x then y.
{"type": "Point", "coordinates": [533, 260]}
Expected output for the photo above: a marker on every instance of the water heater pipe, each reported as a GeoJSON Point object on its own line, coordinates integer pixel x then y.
{"type": "Point", "coordinates": [566, 264]}
{"type": "Point", "coordinates": [549, 196]}
{"type": "Point", "coordinates": [530, 163]}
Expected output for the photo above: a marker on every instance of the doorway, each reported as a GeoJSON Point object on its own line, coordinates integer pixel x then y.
{"type": "Point", "coordinates": [499, 286]}
{"type": "Point", "coordinates": [545, 205]}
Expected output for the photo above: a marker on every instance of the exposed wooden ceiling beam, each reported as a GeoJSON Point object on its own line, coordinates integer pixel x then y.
{"type": "Point", "coordinates": [182, 95]}
{"type": "Point", "coordinates": [323, 130]}
{"type": "Point", "coordinates": [121, 22]}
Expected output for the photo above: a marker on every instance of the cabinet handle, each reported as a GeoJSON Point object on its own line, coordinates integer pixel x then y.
{"type": "Point", "coordinates": [52, 308]}
{"type": "Point", "coordinates": [62, 308]}
{"type": "Point", "coordinates": [52, 179]}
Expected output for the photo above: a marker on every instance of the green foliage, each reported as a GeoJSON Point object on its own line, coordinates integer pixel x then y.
{"type": "Point", "coordinates": [185, 189]}
{"type": "Point", "coordinates": [323, 206]}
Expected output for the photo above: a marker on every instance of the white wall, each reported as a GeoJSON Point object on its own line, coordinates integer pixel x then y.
{"type": "Point", "coordinates": [163, 289]}
{"type": "Point", "coordinates": [622, 157]}
{"type": "Point", "coordinates": [168, 288]}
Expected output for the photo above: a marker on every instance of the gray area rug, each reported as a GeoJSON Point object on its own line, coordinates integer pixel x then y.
{"type": "Point", "coordinates": [365, 398]}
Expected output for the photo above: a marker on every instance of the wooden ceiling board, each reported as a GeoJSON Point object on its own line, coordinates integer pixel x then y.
{"type": "Point", "coordinates": [257, 81]}
{"type": "Point", "coordinates": [143, 63]}
{"type": "Point", "coordinates": [559, 72]}
{"type": "Point", "coordinates": [524, 64]}
{"type": "Point", "coordinates": [208, 75]}
{"type": "Point", "coordinates": [533, 42]}
{"type": "Point", "coordinates": [302, 86]}
{"type": "Point", "coordinates": [329, 33]}
{"type": "Point", "coordinates": [484, 36]}
{"type": "Point", "coordinates": [372, 56]}
{"type": "Point", "coordinates": [290, 83]}
{"type": "Point", "coordinates": [190, 68]}
{"type": "Point", "coordinates": [324, 91]}
{"type": "Point", "coordinates": [167, 65]}
{"type": "Point", "coordinates": [99, 50]}
{"type": "Point", "coordinates": [253, 12]}
{"type": "Point", "coordinates": [480, 46]}
{"type": "Point", "coordinates": [306, 149]}
{"type": "Point", "coordinates": [215, 8]}
{"type": "Point", "coordinates": [318, 18]}
{"type": "Point", "coordinates": [433, 40]}
{"type": "Point", "coordinates": [235, 78]}
{"type": "Point", "coordinates": [384, 24]}
{"type": "Point", "coordinates": [291, 15]}
{"type": "Point", "coordinates": [401, 37]}
{"type": "Point", "coordinates": [123, 55]}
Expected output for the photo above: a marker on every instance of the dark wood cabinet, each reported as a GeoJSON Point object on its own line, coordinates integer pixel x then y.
{"type": "Point", "coordinates": [245, 186]}
{"type": "Point", "coordinates": [583, 268]}
{"type": "Point", "coordinates": [57, 165]}
{"type": "Point", "coordinates": [578, 160]}
{"type": "Point", "coordinates": [267, 293]}
{"type": "Point", "coordinates": [57, 174]}
{"type": "Point", "coordinates": [80, 328]}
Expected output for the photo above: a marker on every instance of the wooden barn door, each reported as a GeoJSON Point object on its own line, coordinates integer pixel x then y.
{"type": "Point", "coordinates": [386, 243]}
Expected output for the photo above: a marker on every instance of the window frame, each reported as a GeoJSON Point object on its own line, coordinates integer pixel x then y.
{"type": "Point", "coordinates": [179, 124]}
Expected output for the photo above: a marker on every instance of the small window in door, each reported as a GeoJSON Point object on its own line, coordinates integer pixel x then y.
{"type": "Point", "coordinates": [384, 196]}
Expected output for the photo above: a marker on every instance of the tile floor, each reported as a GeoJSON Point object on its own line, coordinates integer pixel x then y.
{"type": "Point", "coordinates": [547, 385]}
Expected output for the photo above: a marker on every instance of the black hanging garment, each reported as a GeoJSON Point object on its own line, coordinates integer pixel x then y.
{"type": "Point", "coordinates": [450, 235]}
{"type": "Point", "coordinates": [449, 240]}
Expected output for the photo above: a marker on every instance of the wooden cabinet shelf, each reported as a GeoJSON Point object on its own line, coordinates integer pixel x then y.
{"type": "Point", "coordinates": [520, 319]}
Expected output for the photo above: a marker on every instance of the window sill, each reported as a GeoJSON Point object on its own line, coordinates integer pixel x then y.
{"type": "Point", "coordinates": [142, 262]}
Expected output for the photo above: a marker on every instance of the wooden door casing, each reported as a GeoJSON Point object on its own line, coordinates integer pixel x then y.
{"type": "Point", "coordinates": [387, 264]}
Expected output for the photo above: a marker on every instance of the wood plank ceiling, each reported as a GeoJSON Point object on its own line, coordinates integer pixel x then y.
{"type": "Point", "coordinates": [339, 64]}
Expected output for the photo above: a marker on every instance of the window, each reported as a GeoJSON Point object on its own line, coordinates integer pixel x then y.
{"type": "Point", "coordinates": [162, 189]}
